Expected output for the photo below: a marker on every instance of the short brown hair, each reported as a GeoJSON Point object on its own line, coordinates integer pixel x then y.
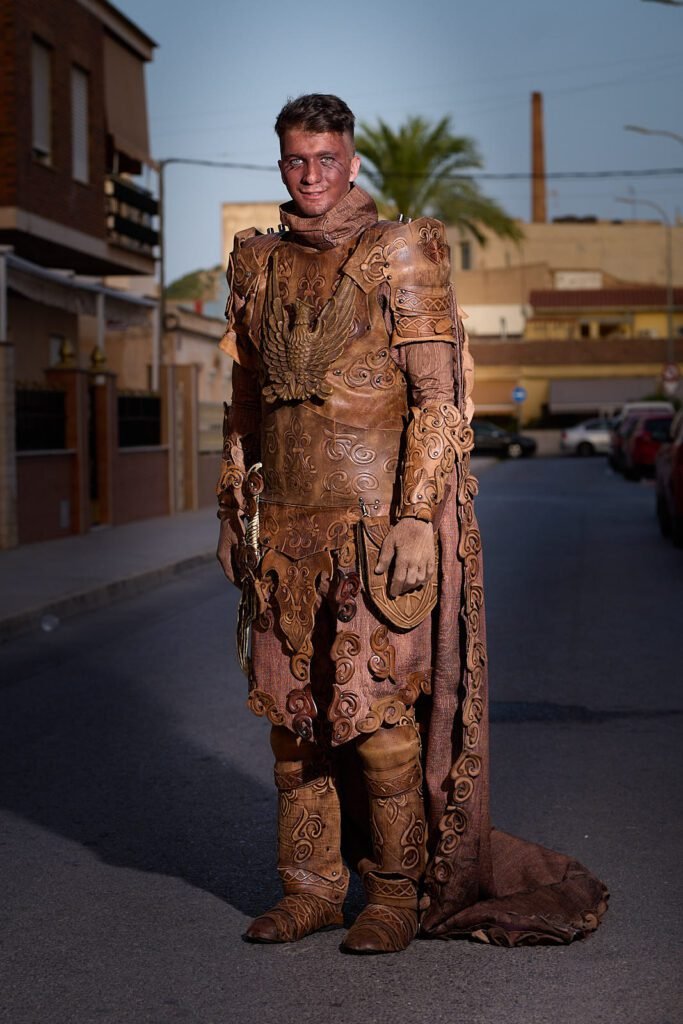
{"type": "Point", "coordinates": [316, 112]}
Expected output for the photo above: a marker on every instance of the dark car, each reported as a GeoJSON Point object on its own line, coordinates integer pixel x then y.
{"type": "Point", "coordinates": [490, 439]}
{"type": "Point", "coordinates": [669, 487]}
{"type": "Point", "coordinates": [650, 431]}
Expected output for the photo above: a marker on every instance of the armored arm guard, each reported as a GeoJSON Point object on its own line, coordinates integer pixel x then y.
{"type": "Point", "coordinates": [437, 435]}
{"type": "Point", "coordinates": [423, 311]}
{"type": "Point", "coordinates": [240, 444]}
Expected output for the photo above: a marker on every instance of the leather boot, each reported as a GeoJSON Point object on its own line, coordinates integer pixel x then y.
{"type": "Point", "coordinates": [313, 876]}
{"type": "Point", "coordinates": [393, 775]}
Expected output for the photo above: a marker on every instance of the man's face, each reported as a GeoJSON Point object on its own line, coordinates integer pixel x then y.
{"type": "Point", "coordinates": [317, 169]}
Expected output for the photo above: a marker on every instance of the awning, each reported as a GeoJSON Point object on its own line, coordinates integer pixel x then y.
{"type": "Point", "coordinates": [602, 394]}
{"type": "Point", "coordinates": [62, 291]}
{"type": "Point", "coordinates": [126, 100]}
{"type": "Point", "coordinates": [51, 291]}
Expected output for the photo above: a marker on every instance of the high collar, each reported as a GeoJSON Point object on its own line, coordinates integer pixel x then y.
{"type": "Point", "coordinates": [353, 213]}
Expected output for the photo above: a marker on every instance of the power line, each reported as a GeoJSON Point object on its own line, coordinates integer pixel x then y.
{"type": "Point", "coordinates": [651, 172]}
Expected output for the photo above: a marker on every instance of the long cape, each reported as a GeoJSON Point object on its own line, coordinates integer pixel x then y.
{"type": "Point", "coordinates": [480, 882]}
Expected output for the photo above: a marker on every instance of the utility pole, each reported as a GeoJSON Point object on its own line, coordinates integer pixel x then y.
{"type": "Point", "coordinates": [669, 272]}
{"type": "Point", "coordinates": [161, 166]}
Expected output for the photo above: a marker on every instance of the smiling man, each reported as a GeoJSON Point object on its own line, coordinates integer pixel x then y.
{"type": "Point", "coordinates": [345, 501]}
{"type": "Point", "coordinates": [317, 169]}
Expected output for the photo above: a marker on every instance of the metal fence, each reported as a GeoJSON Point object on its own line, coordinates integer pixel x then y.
{"type": "Point", "coordinates": [139, 419]}
{"type": "Point", "coordinates": [40, 419]}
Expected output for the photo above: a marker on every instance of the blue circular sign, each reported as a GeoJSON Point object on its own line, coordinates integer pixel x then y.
{"type": "Point", "coordinates": [519, 394]}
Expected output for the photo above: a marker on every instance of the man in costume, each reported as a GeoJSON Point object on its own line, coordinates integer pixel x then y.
{"type": "Point", "coordinates": [345, 501]}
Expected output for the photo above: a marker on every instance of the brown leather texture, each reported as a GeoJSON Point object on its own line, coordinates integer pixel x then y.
{"type": "Point", "coordinates": [293, 918]}
{"type": "Point", "coordinates": [405, 611]}
{"type": "Point", "coordinates": [309, 831]}
{"type": "Point", "coordinates": [310, 866]}
{"type": "Point", "coordinates": [391, 766]}
{"type": "Point", "coordinates": [436, 437]}
{"type": "Point", "coordinates": [380, 928]}
{"type": "Point", "coordinates": [354, 673]}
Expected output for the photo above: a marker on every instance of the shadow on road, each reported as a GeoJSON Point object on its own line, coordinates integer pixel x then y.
{"type": "Point", "coordinates": [102, 764]}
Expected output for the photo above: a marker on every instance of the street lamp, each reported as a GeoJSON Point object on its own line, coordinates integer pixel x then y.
{"type": "Point", "coordinates": [653, 131]}
{"type": "Point", "coordinates": [161, 166]}
{"type": "Point", "coordinates": [669, 271]}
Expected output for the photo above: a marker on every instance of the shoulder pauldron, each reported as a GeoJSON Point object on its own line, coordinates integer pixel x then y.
{"type": "Point", "coordinates": [413, 262]}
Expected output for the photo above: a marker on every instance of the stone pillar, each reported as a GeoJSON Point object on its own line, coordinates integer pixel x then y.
{"type": "Point", "coordinates": [75, 383]}
{"type": "Point", "coordinates": [180, 431]}
{"type": "Point", "coordinates": [167, 391]}
{"type": "Point", "coordinates": [8, 455]}
{"type": "Point", "coordinates": [105, 415]}
{"type": "Point", "coordinates": [187, 453]}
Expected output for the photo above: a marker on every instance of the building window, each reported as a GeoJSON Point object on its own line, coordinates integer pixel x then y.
{"type": "Point", "coordinates": [465, 256]}
{"type": "Point", "coordinates": [56, 342]}
{"type": "Point", "coordinates": [80, 165]}
{"type": "Point", "coordinates": [41, 100]}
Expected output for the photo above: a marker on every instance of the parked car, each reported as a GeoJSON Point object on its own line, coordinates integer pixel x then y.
{"type": "Point", "coordinates": [590, 437]}
{"type": "Point", "coordinates": [624, 424]}
{"type": "Point", "coordinates": [669, 486]}
{"type": "Point", "coordinates": [643, 405]}
{"type": "Point", "coordinates": [619, 434]}
{"type": "Point", "coordinates": [650, 431]}
{"type": "Point", "coordinates": [490, 439]}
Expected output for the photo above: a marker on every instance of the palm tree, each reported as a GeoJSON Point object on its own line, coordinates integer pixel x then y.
{"type": "Point", "coordinates": [422, 169]}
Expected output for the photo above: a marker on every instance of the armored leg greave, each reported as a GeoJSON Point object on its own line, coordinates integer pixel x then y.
{"type": "Point", "coordinates": [393, 775]}
{"type": "Point", "coordinates": [309, 858]}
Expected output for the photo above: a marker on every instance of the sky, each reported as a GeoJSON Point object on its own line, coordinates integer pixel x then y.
{"type": "Point", "coordinates": [223, 69]}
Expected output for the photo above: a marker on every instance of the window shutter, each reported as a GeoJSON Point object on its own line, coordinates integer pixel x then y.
{"type": "Point", "coordinates": [80, 168]}
{"type": "Point", "coordinates": [41, 74]}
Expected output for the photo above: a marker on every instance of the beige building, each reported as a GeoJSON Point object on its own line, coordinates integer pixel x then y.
{"type": "Point", "coordinates": [627, 251]}
{"type": "Point", "coordinates": [626, 312]}
{"type": "Point", "coordinates": [577, 377]}
{"type": "Point", "coordinates": [493, 282]}
{"type": "Point", "coordinates": [240, 216]}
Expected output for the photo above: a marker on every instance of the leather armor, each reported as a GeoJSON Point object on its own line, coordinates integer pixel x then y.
{"type": "Point", "coordinates": [337, 450]}
{"type": "Point", "coordinates": [320, 328]}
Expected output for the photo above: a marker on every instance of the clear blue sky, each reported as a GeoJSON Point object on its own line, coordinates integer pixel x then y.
{"type": "Point", "coordinates": [223, 69]}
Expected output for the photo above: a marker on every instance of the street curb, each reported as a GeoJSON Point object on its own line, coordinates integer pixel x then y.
{"type": "Point", "coordinates": [99, 596]}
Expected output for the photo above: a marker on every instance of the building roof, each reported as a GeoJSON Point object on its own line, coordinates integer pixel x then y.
{"type": "Point", "coordinates": [601, 298]}
{"type": "Point", "coordinates": [124, 27]}
{"type": "Point", "coordinates": [585, 351]}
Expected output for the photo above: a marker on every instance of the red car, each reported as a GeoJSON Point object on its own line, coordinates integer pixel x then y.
{"type": "Point", "coordinates": [669, 474]}
{"type": "Point", "coordinates": [621, 431]}
{"type": "Point", "coordinates": [648, 433]}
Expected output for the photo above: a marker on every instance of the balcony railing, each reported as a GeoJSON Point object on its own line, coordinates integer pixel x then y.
{"type": "Point", "coordinates": [130, 212]}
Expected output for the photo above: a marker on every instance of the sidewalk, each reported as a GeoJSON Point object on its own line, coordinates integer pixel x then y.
{"type": "Point", "coordinates": [60, 578]}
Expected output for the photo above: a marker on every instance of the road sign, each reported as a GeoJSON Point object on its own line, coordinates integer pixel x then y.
{"type": "Point", "coordinates": [519, 394]}
{"type": "Point", "coordinates": [670, 378]}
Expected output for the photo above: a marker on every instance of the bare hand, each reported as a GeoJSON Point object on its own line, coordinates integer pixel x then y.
{"type": "Point", "coordinates": [229, 538]}
{"type": "Point", "coordinates": [410, 546]}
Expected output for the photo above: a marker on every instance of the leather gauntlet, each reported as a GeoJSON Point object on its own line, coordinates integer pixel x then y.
{"type": "Point", "coordinates": [436, 437]}
{"type": "Point", "coordinates": [233, 490]}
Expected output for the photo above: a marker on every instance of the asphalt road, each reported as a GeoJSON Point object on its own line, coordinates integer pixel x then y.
{"type": "Point", "coordinates": [137, 808]}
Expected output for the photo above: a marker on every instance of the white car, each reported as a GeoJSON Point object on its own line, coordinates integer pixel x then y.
{"type": "Point", "coordinates": [592, 437]}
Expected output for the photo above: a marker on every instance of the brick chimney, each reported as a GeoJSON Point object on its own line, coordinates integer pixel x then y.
{"type": "Point", "coordinates": [538, 202]}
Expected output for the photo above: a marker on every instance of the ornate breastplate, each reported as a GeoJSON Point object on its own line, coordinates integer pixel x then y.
{"type": "Point", "coordinates": [334, 400]}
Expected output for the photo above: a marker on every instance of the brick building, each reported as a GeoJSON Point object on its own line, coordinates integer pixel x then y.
{"type": "Point", "coordinates": [73, 221]}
